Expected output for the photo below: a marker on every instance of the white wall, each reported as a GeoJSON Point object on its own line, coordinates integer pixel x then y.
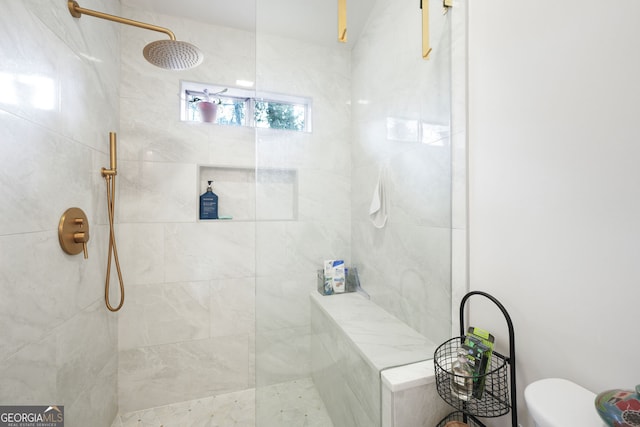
{"type": "Point", "coordinates": [553, 184]}
{"type": "Point", "coordinates": [58, 101]}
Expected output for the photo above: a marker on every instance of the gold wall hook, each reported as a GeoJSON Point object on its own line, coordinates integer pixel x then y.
{"type": "Point", "coordinates": [446, 5]}
{"type": "Point", "coordinates": [73, 232]}
{"type": "Point", "coordinates": [426, 43]}
{"type": "Point", "coordinates": [342, 21]}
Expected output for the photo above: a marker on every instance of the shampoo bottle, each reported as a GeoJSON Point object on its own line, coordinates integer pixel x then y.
{"type": "Point", "coordinates": [209, 204]}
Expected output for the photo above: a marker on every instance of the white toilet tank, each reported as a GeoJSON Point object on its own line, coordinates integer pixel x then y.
{"type": "Point", "coordinates": [556, 402]}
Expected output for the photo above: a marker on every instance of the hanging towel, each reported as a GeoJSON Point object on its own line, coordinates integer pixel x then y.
{"type": "Point", "coordinates": [378, 208]}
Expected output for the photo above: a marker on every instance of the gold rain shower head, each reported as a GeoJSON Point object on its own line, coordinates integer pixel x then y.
{"type": "Point", "coordinates": [169, 54]}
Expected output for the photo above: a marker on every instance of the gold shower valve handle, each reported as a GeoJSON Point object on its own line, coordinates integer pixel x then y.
{"type": "Point", "coordinates": [82, 238]}
{"type": "Point", "coordinates": [73, 232]}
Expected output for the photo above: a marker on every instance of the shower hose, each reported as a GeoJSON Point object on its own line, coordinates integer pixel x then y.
{"type": "Point", "coordinates": [111, 191]}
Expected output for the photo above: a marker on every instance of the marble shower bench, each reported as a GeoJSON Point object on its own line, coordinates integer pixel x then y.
{"type": "Point", "coordinates": [370, 368]}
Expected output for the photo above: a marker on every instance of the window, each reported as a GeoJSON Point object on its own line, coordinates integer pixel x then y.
{"type": "Point", "coordinates": [241, 107]}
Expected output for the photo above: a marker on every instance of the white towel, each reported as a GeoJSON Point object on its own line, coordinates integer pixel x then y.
{"type": "Point", "coordinates": [378, 208]}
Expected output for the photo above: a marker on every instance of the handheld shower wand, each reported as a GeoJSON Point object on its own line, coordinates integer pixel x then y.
{"type": "Point", "coordinates": [110, 178]}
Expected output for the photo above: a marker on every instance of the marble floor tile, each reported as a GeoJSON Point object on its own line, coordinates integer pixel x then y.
{"type": "Point", "coordinates": [292, 404]}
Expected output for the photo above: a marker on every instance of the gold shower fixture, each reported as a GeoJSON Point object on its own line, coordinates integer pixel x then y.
{"type": "Point", "coordinates": [169, 54]}
{"type": "Point", "coordinates": [426, 43]}
{"type": "Point", "coordinates": [73, 232]}
{"type": "Point", "coordinates": [109, 176]}
{"type": "Point", "coordinates": [342, 21]}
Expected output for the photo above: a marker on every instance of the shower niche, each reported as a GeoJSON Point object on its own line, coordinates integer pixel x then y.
{"type": "Point", "coordinates": [247, 194]}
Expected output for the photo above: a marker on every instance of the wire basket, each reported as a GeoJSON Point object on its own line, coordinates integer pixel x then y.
{"type": "Point", "coordinates": [460, 416]}
{"type": "Point", "coordinates": [494, 401]}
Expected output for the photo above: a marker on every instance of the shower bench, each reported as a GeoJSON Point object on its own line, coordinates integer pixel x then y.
{"type": "Point", "coordinates": [370, 368]}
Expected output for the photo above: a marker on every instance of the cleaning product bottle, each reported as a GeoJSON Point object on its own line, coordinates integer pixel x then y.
{"type": "Point", "coordinates": [209, 204]}
{"type": "Point", "coordinates": [462, 376]}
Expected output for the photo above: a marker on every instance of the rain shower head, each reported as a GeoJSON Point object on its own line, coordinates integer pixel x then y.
{"type": "Point", "coordinates": [172, 54]}
{"type": "Point", "coordinates": [169, 54]}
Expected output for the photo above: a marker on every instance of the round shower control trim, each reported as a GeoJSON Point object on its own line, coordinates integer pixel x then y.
{"type": "Point", "coordinates": [73, 232]}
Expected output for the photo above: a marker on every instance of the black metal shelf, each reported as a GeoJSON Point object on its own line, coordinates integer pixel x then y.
{"type": "Point", "coordinates": [495, 399]}
{"type": "Point", "coordinates": [499, 397]}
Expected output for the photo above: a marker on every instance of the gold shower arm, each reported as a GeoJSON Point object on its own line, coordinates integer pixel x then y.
{"type": "Point", "coordinates": [77, 11]}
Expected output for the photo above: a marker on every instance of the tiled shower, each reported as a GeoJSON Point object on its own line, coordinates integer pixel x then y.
{"type": "Point", "coordinates": [221, 307]}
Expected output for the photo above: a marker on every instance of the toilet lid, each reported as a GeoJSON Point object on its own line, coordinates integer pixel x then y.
{"type": "Point", "coordinates": [556, 402]}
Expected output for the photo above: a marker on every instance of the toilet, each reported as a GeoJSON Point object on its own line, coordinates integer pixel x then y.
{"type": "Point", "coordinates": [556, 402]}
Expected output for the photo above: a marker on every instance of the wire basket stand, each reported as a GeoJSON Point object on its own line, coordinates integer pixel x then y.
{"type": "Point", "coordinates": [499, 396]}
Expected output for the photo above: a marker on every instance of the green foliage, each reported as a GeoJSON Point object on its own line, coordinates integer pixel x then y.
{"type": "Point", "coordinates": [278, 116]}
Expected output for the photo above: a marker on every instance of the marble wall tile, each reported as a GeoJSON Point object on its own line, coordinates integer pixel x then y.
{"type": "Point", "coordinates": [157, 192]}
{"type": "Point", "coordinates": [84, 348]}
{"type": "Point", "coordinates": [29, 375]}
{"type": "Point", "coordinates": [418, 406]}
{"type": "Point", "coordinates": [419, 186]}
{"type": "Point", "coordinates": [299, 248]}
{"type": "Point", "coordinates": [337, 373]}
{"type": "Point", "coordinates": [35, 302]}
{"type": "Point", "coordinates": [413, 285]}
{"type": "Point", "coordinates": [206, 251]}
{"type": "Point", "coordinates": [29, 176]}
{"type": "Point", "coordinates": [277, 193]}
{"type": "Point", "coordinates": [158, 375]}
{"type": "Point", "coordinates": [141, 252]}
{"type": "Point", "coordinates": [282, 355]}
{"type": "Point", "coordinates": [30, 69]}
{"type": "Point", "coordinates": [369, 144]}
{"type": "Point", "coordinates": [232, 309]}
{"type": "Point", "coordinates": [273, 250]}
{"type": "Point", "coordinates": [296, 67]}
{"type": "Point", "coordinates": [97, 406]}
{"type": "Point", "coordinates": [163, 313]}
{"type": "Point", "coordinates": [282, 302]}
{"type": "Point", "coordinates": [230, 146]}
{"type": "Point", "coordinates": [58, 102]}
{"type": "Point", "coordinates": [277, 149]}
{"type": "Point", "coordinates": [324, 195]}
{"type": "Point", "coordinates": [293, 66]}
{"type": "Point", "coordinates": [143, 140]}
{"type": "Point", "coordinates": [64, 364]}
{"type": "Point", "coordinates": [87, 69]}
